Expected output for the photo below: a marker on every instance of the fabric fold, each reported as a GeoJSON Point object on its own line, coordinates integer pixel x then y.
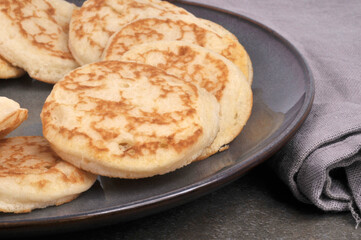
{"type": "Point", "coordinates": [322, 146]}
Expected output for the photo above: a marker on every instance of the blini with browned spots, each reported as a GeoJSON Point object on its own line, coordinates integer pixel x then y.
{"type": "Point", "coordinates": [33, 176]}
{"type": "Point", "coordinates": [11, 116]}
{"type": "Point", "coordinates": [128, 120]}
{"type": "Point", "coordinates": [187, 29]}
{"type": "Point", "coordinates": [34, 37]}
{"type": "Point", "coordinates": [97, 20]}
{"type": "Point", "coordinates": [208, 70]}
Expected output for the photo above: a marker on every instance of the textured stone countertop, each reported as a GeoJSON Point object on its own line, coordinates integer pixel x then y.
{"type": "Point", "coordinates": [256, 206]}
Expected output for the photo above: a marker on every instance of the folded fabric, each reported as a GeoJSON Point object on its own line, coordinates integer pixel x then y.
{"type": "Point", "coordinates": [322, 163]}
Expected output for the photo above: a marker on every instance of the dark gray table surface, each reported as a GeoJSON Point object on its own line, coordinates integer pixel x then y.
{"type": "Point", "coordinates": [256, 206]}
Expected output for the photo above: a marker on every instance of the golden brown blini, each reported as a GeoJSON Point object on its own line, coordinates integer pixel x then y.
{"type": "Point", "coordinates": [92, 25]}
{"type": "Point", "coordinates": [34, 37]}
{"type": "Point", "coordinates": [11, 116]}
{"type": "Point", "coordinates": [128, 120]}
{"type": "Point", "coordinates": [33, 176]}
{"type": "Point", "coordinates": [9, 71]}
{"type": "Point", "coordinates": [247, 68]}
{"type": "Point", "coordinates": [188, 29]}
{"type": "Point", "coordinates": [209, 70]}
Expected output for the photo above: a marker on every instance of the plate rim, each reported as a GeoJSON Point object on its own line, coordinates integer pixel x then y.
{"type": "Point", "coordinates": [186, 194]}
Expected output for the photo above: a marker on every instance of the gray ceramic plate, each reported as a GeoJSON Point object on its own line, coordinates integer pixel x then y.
{"type": "Point", "coordinates": [283, 93]}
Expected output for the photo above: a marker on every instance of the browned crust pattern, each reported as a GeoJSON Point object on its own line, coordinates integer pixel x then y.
{"type": "Point", "coordinates": [14, 11]}
{"type": "Point", "coordinates": [153, 29]}
{"type": "Point", "coordinates": [21, 156]}
{"type": "Point", "coordinates": [178, 62]}
{"type": "Point", "coordinates": [103, 110]}
{"type": "Point", "coordinates": [12, 121]}
{"type": "Point", "coordinates": [100, 22]}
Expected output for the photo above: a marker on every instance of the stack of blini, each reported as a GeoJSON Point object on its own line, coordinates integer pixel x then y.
{"type": "Point", "coordinates": [158, 88]}
{"type": "Point", "coordinates": [31, 174]}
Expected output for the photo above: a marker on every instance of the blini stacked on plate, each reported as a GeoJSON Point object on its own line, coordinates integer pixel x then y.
{"type": "Point", "coordinates": [34, 37]}
{"type": "Point", "coordinates": [158, 88]}
{"type": "Point", "coordinates": [121, 118]}
{"type": "Point", "coordinates": [31, 174]}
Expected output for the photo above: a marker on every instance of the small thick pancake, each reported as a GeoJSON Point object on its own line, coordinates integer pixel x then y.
{"type": "Point", "coordinates": [11, 116]}
{"type": "Point", "coordinates": [33, 176]}
{"type": "Point", "coordinates": [217, 28]}
{"type": "Point", "coordinates": [9, 71]}
{"type": "Point", "coordinates": [224, 32]}
{"type": "Point", "coordinates": [92, 25]}
{"type": "Point", "coordinates": [128, 120]}
{"type": "Point", "coordinates": [209, 70]}
{"type": "Point", "coordinates": [186, 29]}
{"type": "Point", "coordinates": [34, 37]}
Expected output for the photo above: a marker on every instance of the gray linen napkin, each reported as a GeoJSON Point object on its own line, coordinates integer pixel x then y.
{"type": "Point", "coordinates": [322, 162]}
